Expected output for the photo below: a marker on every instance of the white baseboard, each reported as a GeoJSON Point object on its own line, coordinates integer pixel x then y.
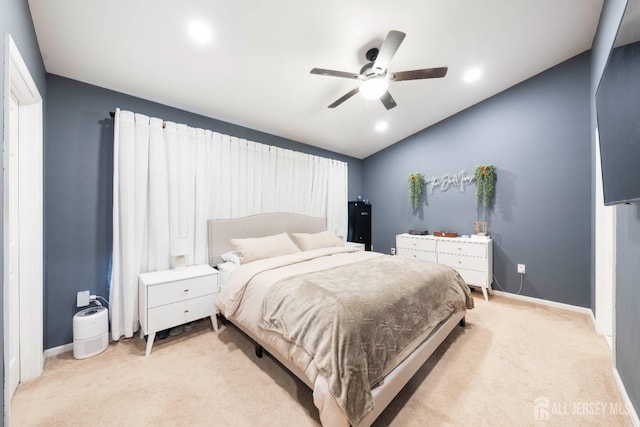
{"type": "Point", "coordinates": [623, 391]}
{"type": "Point", "coordinates": [561, 305]}
{"type": "Point", "coordinates": [50, 352]}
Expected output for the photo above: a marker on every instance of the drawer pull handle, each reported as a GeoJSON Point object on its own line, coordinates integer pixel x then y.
{"type": "Point", "coordinates": [186, 290]}
{"type": "Point", "coordinates": [186, 311]}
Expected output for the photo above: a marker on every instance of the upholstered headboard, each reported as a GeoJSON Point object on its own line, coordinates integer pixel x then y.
{"type": "Point", "coordinates": [221, 231]}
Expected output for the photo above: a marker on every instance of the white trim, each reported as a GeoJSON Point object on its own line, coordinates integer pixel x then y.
{"type": "Point", "coordinates": [605, 256]}
{"type": "Point", "coordinates": [593, 321]}
{"type": "Point", "coordinates": [623, 391]}
{"type": "Point", "coordinates": [561, 305]}
{"type": "Point", "coordinates": [51, 352]}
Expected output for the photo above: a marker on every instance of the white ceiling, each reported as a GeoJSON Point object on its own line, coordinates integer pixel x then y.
{"type": "Point", "coordinates": [255, 70]}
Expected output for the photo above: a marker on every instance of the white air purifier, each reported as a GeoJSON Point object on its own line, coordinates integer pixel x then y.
{"type": "Point", "coordinates": [90, 332]}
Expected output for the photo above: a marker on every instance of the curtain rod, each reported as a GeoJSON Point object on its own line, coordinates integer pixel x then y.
{"type": "Point", "coordinates": [113, 114]}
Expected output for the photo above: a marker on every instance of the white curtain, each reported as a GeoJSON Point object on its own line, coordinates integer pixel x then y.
{"type": "Point", "coordinates": [169, 179]}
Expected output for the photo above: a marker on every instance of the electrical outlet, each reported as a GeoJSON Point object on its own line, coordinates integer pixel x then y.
{"type": "Point", "coordinates": [393, 251]}
{"type": "Point", "coordinates": [521, 269]}
{"type": "Point", "coordinates": [82, 300]}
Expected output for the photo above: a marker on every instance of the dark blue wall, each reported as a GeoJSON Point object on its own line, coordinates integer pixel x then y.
{"type": "Point", "coordinates": [627, 294]}
{"type": "Point", "coordinates": [15, 19]}
{"type": "Point", "coordinates": [537, 135]}
{"type": "Point", "coordinates": [78, 189]}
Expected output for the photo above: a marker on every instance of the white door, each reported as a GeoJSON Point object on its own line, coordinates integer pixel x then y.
{"type": "Point", "coordinates": [11, 250]}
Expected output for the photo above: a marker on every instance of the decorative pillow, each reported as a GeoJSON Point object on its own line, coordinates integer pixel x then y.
{"type": "Point", "coordinates": [324, 239]}
{"type": "Point", "coordinates": [264, 247]}
{"type": "Point", "coordinates": [231, 256]}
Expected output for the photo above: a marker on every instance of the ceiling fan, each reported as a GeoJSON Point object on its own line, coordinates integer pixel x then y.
{"type": "Point", "coordinates": [374, 76]}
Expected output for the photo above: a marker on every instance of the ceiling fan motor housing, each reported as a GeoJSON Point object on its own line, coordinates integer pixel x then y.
{"type": "Point", "coordinates": [367, 69]}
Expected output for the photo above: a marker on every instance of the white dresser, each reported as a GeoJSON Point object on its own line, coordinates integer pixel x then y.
{"type": "Point", "coordinates": [174, 297]}
{"type": "Point", "coordinates": [471, 257]}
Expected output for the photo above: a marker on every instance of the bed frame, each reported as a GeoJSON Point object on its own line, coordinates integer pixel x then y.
{"type": "Point", "coordinates": [221, 231]}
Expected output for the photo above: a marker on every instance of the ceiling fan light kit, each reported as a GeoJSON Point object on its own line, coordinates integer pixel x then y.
{"type": "Point", "coordinates": [374, 87]}
{"type": "Point", "coordinates": [375, 81]}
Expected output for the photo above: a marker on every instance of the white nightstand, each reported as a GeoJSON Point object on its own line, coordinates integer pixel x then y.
{"type": "Point", "coordinates": [174, 297]}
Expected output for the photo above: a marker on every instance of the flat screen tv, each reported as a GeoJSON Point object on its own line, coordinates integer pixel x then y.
{"type": "Point", "coordinates": [618, 109]}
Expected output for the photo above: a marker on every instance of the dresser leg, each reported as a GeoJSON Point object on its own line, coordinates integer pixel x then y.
{"type": "Point", "coordinates": [214, 322]}
{"type": "Point", "coordinates": [150, 338]}
{"type": "Point", "coordinates": [484, 292]}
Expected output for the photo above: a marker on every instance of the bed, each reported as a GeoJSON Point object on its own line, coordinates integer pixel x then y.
{"type": "Point", "coordinates": [332, 314]}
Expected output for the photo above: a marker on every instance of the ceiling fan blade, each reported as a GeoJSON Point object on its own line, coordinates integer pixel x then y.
{"type": "Point", "coordinates": [427, 73]}
{"type": "Point", "coordinates": [344, 98]}
{"type": "Point", "coordinates": [334, 73]}
{"type": "Point", "coordinates": [388, 101]}
{"type": "Point", "coordinates": [387, 50]}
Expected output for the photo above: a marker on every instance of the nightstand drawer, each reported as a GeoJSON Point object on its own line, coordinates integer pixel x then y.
{"type": "Point", "coordinates": [417, 243]}
{"type": "Point", "coordinates": [167, 293]}
{"type": "Point", "coordinates": [459, 261]}
{"type": "Point", "coordinates": [463, 248]}
{"type": "Point", "coordinates": [412, 253]}
{"type": "Point", "coordinates": [181, 312]}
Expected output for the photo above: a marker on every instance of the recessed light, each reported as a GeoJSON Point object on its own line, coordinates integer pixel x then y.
{"type": "Point", "coordinates": [473, 75]}
{"type": "Point", "coordinates": [381, 126]}
{"type": "Point", "coordinates": [200, 32]}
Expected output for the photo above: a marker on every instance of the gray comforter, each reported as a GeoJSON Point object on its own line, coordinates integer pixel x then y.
{"type": "Point", "coordinates": [359, 321]}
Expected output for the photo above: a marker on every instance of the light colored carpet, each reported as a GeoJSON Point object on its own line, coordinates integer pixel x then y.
{"type": "Point", "coordinates": [489, 373]}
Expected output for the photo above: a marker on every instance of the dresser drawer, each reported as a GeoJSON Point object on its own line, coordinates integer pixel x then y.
{"type": "Point", "coordinates": [169, 315]}
{"type": "Point", "coordinates": [461, 261]}
{"type": "Point", "coordinates": [416, 254]}
{"type": "Point", "coordinates": [463, 248]}
{"type": "Point", "coordinates": [418, 243]}
{"type": "Point", "coordinates": [478, 278]}
{"type": "Point", "coordinates": [170, 292]}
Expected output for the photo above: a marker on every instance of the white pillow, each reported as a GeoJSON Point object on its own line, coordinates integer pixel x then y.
{"type": "Point", "coordinates": [324, 239]}
{"type": "Point", "coordinates": [227, 266]}
{"type": "Point", "coordinates": [231, 256]}
{"type": "Point", "coordinates": [257, 248]}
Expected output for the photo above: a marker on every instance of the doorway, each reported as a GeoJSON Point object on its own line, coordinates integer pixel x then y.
{"type": "Point", "coordinates": [22, 225]}
{"type": "Point", "coordinates": [605, 258]}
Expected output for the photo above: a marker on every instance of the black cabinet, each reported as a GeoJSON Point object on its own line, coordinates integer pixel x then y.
{"type": "Point", "coordinates": [360, 224]}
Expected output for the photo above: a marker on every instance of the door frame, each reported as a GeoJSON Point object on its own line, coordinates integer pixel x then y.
{"type": "Point", "coordinates": [605, 259]}
{"type": "Point", "coordinates": [18, 81]}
